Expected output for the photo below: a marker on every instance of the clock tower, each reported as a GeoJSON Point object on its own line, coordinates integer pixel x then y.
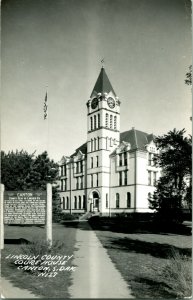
{"type": "Point", "coordinates": [103, 136]}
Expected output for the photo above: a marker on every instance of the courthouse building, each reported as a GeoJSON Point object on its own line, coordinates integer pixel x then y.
{"type": "Point", "coordinates": [113, 171]}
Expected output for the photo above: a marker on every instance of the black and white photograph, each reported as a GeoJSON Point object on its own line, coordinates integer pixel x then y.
{"type": "Point", "coordinates": [96, 149]}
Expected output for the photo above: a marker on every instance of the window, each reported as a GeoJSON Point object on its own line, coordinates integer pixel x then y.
{"type": "Point", "coordinates": [115, 122]}
{"type": "Point", "coordinates": [97, 161]}
{"type": "Point", "coordinates": [75, 202]}
{"type": "Point", "coordinates": [79, 202]}
{"type": "Point", "coordinates": [81, 182]}
{"type": "Point", "coordinates": [128, 200]}
{"type": "Point", "coordinates": [91, 124]}
{"type": "Point", "coordinates": [97, 179]}
{"type": "Point", "coordinates": [149, 177]}
{"type": "Point", "coordinates": [77, 167]}
{"type": "Point", "coordinates": [91, 179]}
{"type": "Point", "coordinates": [106, 120]}
{"type": "Point", "coordinates": [154, 178]}
{"type": "Point", "coordinates": [77, 181]}
{"type": "Point", "coordinates": [125, 158]}
{"type": "Point", "coordinates": [94, 122]}
{"type": "Point", "coordinates": [120, 159]}
{"type": "Point", "coordinates": [63, 184]}
{"type": "Point", "coordinates": [150, 159]}
{"type": "Point", "coordinates": [63, 170]}
{"type": "Point", "coordinates": [94, 143]}
{"type": "Point", "coordinates": [98, 143]}
{"type": "Point", "coordinates": [63, 203]}
{"type": "Point", "coordinates": [111, 143]}
{"type": "Point", "coordinates": [98, 121]}
{"type": "Point", "coordinates": [125, 173]}
{"type": "Point", "coordinates": [107, 204]}
{"type": "Point", "coordinates": [67, 203]}
{"type": "Point", "coordinates": [149, 196]}
{"type": "Point", "coordinates": [91, 163]}
{"type": "Point", "coordinates": [84, 202]}
{"type": "Point", "coordinates": [120, 178]}
{"type": "Point", "coordinates": [111, 121]}
{"type": "Point", "coordinates": [91, 145]}
{"type": "Point", "coordinates": [81, 166]}
{"type": "Point", "coordinates": [117, 200]}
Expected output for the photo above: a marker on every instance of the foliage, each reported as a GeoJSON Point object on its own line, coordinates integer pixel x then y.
{"type": "Point", "coordinates": [15, 168]}
{"type": "Point", "coordinates": [23, 171]}
{"type": "Point", "coordinates": [177, 275]}
{"type": "Point", "coordinates": [67, 217]}
{"type": "Point", "coordinates": [174, 159]}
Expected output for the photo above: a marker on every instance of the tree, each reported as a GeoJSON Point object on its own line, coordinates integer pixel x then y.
{"type": "Point", "coordinates": [23, 171]}
{"type": "Point", "coordinates": [173, 187]}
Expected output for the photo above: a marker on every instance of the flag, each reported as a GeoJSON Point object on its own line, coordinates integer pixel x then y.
{"type": "Point", "coordinates": [45, 107]}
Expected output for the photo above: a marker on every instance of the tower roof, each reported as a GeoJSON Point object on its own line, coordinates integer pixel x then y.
{"type": "Point", "coordinates": [102, 84]}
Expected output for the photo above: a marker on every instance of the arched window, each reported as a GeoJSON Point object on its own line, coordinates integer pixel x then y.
{"type": "Point", "coordinates": [84, 202]}
{"type": "Point", "coordinates": [63, 202]}
{"type": "Point", "coordinates": [94, 122]}
{"type": "Point", "coordinates": [128, 200]}
{"type": "Point", "coordinates": [79, 202]}
{"type": "Point", "coordinates": [106, 120]}
{"type": "Point", "coordinates": [111, 121]}
{"type": "Point", "coordinates": [91, 145]}
{"type": "Point", "coordinates": [75, 202]}
{"type": "Point", "coordinates": [91, 124]}
{"type": "Point", "coordinates": [99, 121]}
{"type": "Point", "coordinates": [115, 122]}
{"type": "Point", "coordinates": [117, 200]}
{"type": "Point", "coordinates": [67, 203]}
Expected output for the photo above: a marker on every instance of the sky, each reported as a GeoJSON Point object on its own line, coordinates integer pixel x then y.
{"type": "Point", "coordinates": [57, 47]}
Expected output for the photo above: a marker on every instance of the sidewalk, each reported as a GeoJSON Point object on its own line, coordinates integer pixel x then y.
{"type": "Point", "coordinates": [95, 275]}
{"type": "Point", "coordinates": [10, 291]}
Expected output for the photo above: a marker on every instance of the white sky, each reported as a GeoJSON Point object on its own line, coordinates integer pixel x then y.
{"type": "Point", "coordinates": [147, 46]}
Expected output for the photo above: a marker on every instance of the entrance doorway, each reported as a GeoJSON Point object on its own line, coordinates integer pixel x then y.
{"type": "Point", "coordinates": [94, 206]}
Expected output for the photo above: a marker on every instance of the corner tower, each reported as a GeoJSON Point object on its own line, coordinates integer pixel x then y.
{"type": "Point", "coordinates": [103, 136]}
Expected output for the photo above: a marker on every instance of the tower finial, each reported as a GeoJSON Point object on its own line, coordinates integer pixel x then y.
{"type": "Point", "coordinates": [103, 62]}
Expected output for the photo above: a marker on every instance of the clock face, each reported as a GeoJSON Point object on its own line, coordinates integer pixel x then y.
{"type": "Point", "coordinates": [94, 103]}
{"type": "Point", "coordinates": [111, 102]}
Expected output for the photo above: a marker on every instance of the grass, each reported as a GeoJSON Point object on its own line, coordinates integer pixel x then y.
{"type": "Point", "coordinates": [44, 287]}
{"type": "Point", "coordinates": [154, 265]}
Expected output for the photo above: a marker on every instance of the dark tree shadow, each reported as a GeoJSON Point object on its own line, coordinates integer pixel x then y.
{"type": "Point", "coordinates": [154, 249]}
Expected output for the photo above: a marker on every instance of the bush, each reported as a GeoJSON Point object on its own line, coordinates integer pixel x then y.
{"type": "Point", "coordinates": [177, 275]}
{"type": "Point", "coordinates": [68, 217]}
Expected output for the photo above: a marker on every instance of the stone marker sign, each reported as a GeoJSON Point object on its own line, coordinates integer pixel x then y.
{"type": "Point", "coordinates": [21, 207]}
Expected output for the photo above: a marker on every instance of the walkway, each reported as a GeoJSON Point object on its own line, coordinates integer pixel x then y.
{"type": "Point", "coordinates": [95, 275]}
{"type": "Point", "coordinates": [8, 290]}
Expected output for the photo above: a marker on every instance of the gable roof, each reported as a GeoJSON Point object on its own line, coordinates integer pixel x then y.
{"type": "Point", "coordinates": [102, 84]}
{"type": "Point", "coordinates": [138, 139]}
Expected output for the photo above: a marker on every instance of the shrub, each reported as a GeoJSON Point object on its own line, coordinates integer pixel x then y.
{"type": "Point", "coordinates": [177, 275]}
{"type": "Point", "coordinates": [68, 217]}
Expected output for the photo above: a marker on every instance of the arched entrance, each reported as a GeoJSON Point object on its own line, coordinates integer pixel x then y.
{"type": "Point", "coordinates": [94, 205]}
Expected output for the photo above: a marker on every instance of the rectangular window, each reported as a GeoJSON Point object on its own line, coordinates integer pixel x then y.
{"type": "Point", "coordinates": [120, 178]}
{"type": "Point", "coordinates": [91, 179]}
{"type": "Point", "coordinates": [81, 182]}
{"type": "Point", "coordinates": [77, 167]}
{"type": "Point", "coordinates": [111, 121]}
{"type": "Point", "coordinates": [91, 164]}
{"type": "Point", "coordinates": [149, 177]}
{"type": "Point", "coordinates": [125, 158]}
{"type": "Point", "coordinates": [120, 159]}
{"type": "Point", "coordinates": [98, 143]}
{"type": "Point", "coordinates": [97, 161]}
{"type": "Point", "coordinates": [97, 179]}
{"type": "Point", "coordinates": [65, 170]}
{"type": "Point", "coordinates": [115, 122]}
{"type": "Point", "coordinates": [128, 200]}
{"type": "Point", "coordinates": [84, 202]}
{"type": "Point", "coordinates": [107, 204]}
{"type": "Point", "coordinates": [81, 166]}
{"type": "Point", "coordinates": [154, 178]}
{"type": "Point", "coordinates": [125, 177]}
{"type": "Point", "coordinates": [98, 121]}
{"type": "Point", "coordinates": [117, 200]}
{"type": "Point", "coordinates": [77, 181]}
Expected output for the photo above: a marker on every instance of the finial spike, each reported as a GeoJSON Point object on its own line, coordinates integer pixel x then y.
{"type": "Point", "coordinates": [103, 62]}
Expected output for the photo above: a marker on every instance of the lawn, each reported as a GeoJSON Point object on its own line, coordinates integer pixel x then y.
{"type": "Point", "coordinates": [142, 260]}
{"type": "Point", "coordinates": [44, 287]}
